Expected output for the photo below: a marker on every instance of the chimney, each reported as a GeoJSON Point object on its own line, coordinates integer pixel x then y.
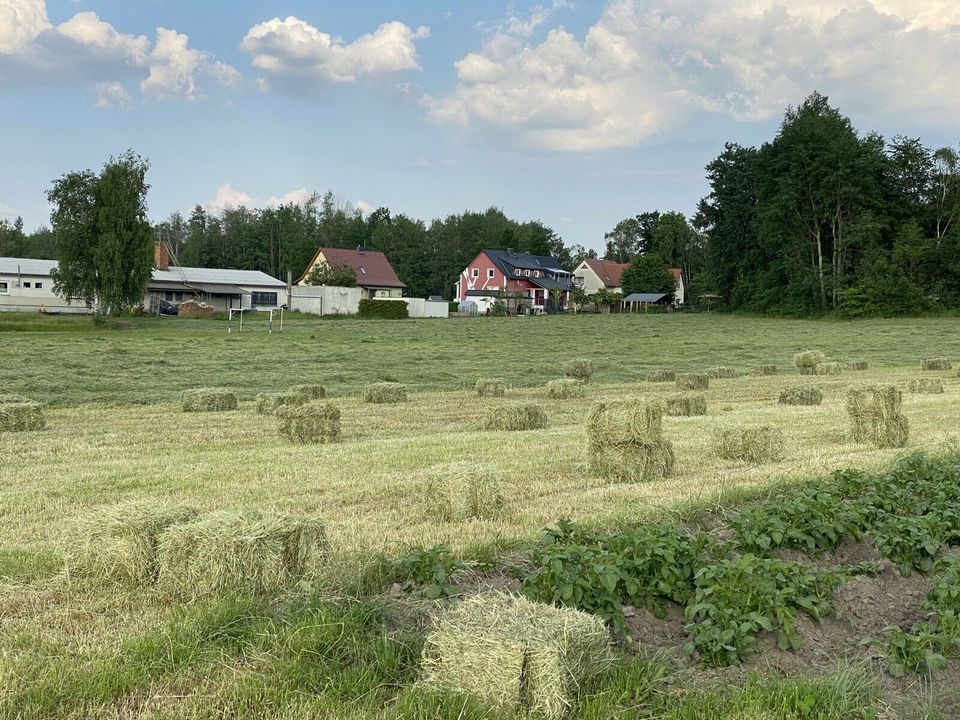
{"type": "Point", "coordinates": [161, 256]}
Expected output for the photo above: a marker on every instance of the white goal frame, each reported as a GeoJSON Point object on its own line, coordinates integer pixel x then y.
{"type": "Point", "coordinates": [241, 311]}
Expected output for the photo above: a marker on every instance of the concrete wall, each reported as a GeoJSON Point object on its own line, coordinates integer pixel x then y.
{"type": "Point", "coordinates": [421, 308]}
{"type": "Point", "coordinates": [16, 297]}
{"type": "Point", "coordinates": [325, 300]}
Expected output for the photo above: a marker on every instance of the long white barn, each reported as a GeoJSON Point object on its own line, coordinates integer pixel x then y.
{"type": "Point", "coordinates": [27, 285]}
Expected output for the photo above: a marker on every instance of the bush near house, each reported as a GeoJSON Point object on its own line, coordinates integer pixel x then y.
{"type": "Point", "coordinates": [385, 309]}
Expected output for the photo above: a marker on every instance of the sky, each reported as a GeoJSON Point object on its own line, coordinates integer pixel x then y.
{"type": "Point", "coordinates": [575, 113]}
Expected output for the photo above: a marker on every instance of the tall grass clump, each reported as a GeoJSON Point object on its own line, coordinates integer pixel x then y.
{"type": "Point", "coordinates": [208, 400]}
{"type": "Point", "coordinates": [521, 657]}
{"type": "Point", "coordinates": [578, 370]}
{"type": "Point", "coordinates": [315, 422]}
{"type": "Point", "coordinates": [385, 393]}
{"type": "Point", "coordinates": [936, 363]}
{"type": "Point", "coordinates": [756, 445]}
{"type": "Point", "coordinates": [693, 381]}
{"type": "Point", "coordinates": [516, 416]}
{"type": "Point", "coordinates": [487, 387]}
{"type": "Point", "coordinates": [119, 543]}
{"type": "Point", "coordinates": [808, 361]}
{"type": "Point", "coordinates": [686, 405]}
{"type": "Point", "coordinates": [464, 491]}
{"type": "Point", "coordinates": [801, 395]}
{"type": "Point", "coordinates": [658, 376]}
{"type": "Point", "coordinates": [875, 416]}
{"type": "Point", "coordinates": [21, 417]}
{"type": "Point", "coordinates": [240, 553]}
{"type": "Point", "coordinates": [720, 372]}
{"type": "Point", "coordinates": [926, 386]}
{"type": "Point", "coordinates": [566, 389]}
{"type": "Point", "coordinates": [625, 441]}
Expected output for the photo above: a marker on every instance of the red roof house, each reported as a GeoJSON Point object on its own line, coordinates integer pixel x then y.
{"type": "Point", "coordinates": [374, 273]}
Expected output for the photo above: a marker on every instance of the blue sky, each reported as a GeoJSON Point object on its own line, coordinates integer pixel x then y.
{"type": "Point", "coordinates": [575, 113]}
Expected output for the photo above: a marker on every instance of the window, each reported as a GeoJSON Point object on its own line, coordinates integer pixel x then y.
{"type": "Point", "coordinates": [490, 273]}
{"type": "Point", "coordinates": [26, 284]}
{"type": "Point", "coordinates": [527, 273]}
{"type": "Point", "coordinates": [37, 285]}
{"type": "Point", "coordinates": [363, 270]}
{"type": "Point", "coordinates": [3, 287]}
{"type": "Point", "coordinates": [268, 299]}
{"type": "Point", "coordinates": [517, 271]}
{"type": "Point", "coordinates": [475, 272]}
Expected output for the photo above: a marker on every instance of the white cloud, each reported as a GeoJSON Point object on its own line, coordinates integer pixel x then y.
{"type": "Point", "coordinates": [227, 196]}
{"type": "Point", "coordinates": [642, 68]}
{"type": "Point", "coordinates": [294, 55]}
{"type": "Point", "coordinates": [88, 48]}
{"type": "Point", "coordinates": [364, 207]}
{"type": "Point", "coordinates": [295, 197]}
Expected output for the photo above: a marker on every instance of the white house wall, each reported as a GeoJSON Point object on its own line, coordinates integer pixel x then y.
{"type": "Point", "coordinates": [18, 298]}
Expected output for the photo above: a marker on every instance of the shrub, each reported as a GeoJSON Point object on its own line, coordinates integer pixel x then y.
{"type": "Point", "coordinates": [807, 361]}
{"type": "Point", "coordinates": [566, 389]}
{"type": "Point", "coordinates": [314, 422]}
{"type": "Point", "coordinates": [519, 656]}
{"type": "Point", "coordinates": [801, 395]}
{"type": "Point", "coordinates": [829, 368]}
{"type": "Point", "coordinates": [269, 403]}
{"type": "Point", "coordinates": [721, 372]}
{"type": "Point", "coordinates": [430, 569]}
{"type": "Point", "coordinates": [686, 405]}
{"type": "Point", "coordinates": [486, 387]}
{"type": "Point", "coordinates": [208, 400]}
{"type": "Point", "coordinates": [385, 393]}
{"type": "Point", "coordinates": [625, 441]}
{"type": "Point", "coordinates": [765, 370]}
{"type": "Point", "coordinates": [578, 370]}
{"type": "Point", "coordinates": [875, 416]}
{"type": "Point", "coordinates": [21, 417]}
{"type": "Point", "coordinates": [662, 376]}
{"type": "Point", "coordinates": [855, 365]}
{"type": "Point", "coordinates": [119, 543]}
{"type": "Point", "coordinates": [465, 491]}
{"type": "Point", "coordinates": [693, 381]}
{"type": "Point", "coordinates": [756, 445]}
{"type": "Point", "coordinates": [385, 309]}
{"type": "Point", "coordinates": [926, 386]}
{"type": "Point", "coordinates": [936, 363]}
{"type": "Point", "coordinates": [516, 416]}
{"type": "Point", "coordinates": [240, 553]}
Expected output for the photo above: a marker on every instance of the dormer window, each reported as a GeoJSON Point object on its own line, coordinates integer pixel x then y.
{"type": "Point", "coordinates": [363, 270]}
{"type": "Point", "coordinates": [527, 273]}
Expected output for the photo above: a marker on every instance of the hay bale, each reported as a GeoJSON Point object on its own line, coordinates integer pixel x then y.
{"type": "Point", "coordinates": [240, 553]}
{"type": "Point", "coordinates": [936, 363]}
{"type": "Point", "coordinates": [693, 381]}
{"type": "Point", "coordinates": [566, 389]}
{"type": "Point", "coordinates": [487, 387]}
{"type": "Point", "coordinates": [308, 392]}
{"type": "Point", "coordinates": [720, 372]}
{"type": "Point", "coordinates": [314, 422]}
{"type": "Point", "coordinates": [269, 403]}
{"type": "Point", "coordinates": [385, 393]}
{"type": "Point", "coordinates": [522, 658]}
{"type": "Point", "coordinates": [926, 386]}
{"type": "Point", "coordinates": [801, 395]}
{"type": "Point", "coordinates": [194, 309]}
{"type": "Point", "coordinates": [765, 370]}
{"type": "Point", "coordinates": [829, 368]}
{"type": "Point", "coordinates": [578, 370]}
{"type": "Point", "coordinates": [808, 360]}
{"type": "Point", "coordinates": [760, 444]}
{"type": "Point", "coordinates": [516, 416]}
{"type": "Point", "coordinates": [119, 543]}
{"type": "Point", "coordinates": [625, 441]}
{"type": "Point", "coordinates": [855, 365]}
{"type": "Point", "coordinates": [464, 491]}
{"type": "Point", "coordinates": [208, 400]}
{"type": "Point", "coordinates": [686, 405]}
{"type": "Point", "coordinates": [21, 417]}
{"type": "Point", "coordinates": [658, 376]}
{"type": "Point", "coordinates": [875, 416]}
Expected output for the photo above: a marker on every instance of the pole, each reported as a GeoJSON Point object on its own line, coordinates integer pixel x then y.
{"type": "Point", "coordinates": [281, 318]}
{"type": "Point", "coordinates": [241, 320]}
{"type": "Point", "coordinates": [229, 321]}
{"type": "Point", "coordinates": [270, 324]}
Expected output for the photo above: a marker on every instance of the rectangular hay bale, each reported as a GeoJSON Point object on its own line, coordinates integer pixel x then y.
{"type": "Point", "coordinates": [875, 416]}
{"type": "Point", "coordinates": [314, 422]}
{"type": "Point", "coordinates": [808, 361]}
{"type": "Point", "coordinates": [464, 491]}
{"type": "Point", "coordinates": [208, 400]}
{"type": "Point", "coordinates": [578, 370]}
{"type": "Point", "coordinates": [686, 405]}
{"type": "Point", "coordinates": [693, 381]}
{"type": "Point", "coordinates": [566, 389]}
{"type": "Point", "coordinates": [801, 395]}
{"type": "Point", "coordinates": [269, 403]}
{"type": "Point", "coordinates": [385, 393]}
{"type": "Point", "coordinates": [856, 365]}
{"type": "Point", "coordinates": [309, 392]}
{"type": "Point", "coordinates": [757, 445]}
{"type": "Point", "coordinates": [936, 363]}
{"type": "Point", "coordinates": [720, 372]}
{"type": "Point", "coordinates": [625, 441]}
{"type": "Point", "coordinates": [765, 370]}
{"type": "Point", "coordinates": [658, 376]}
{"type": "Point", "coordinates": [21, 417]}
{"type": "Point", "coordinates": [516, 417]}
{"type": "Point", "coordinates": [926, 386]}
{"type": "Point", "coordinates": [488, 387]}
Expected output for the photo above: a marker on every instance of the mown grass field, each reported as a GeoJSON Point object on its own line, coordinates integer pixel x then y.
{"type": "Point", "coordinates": [115, 433]}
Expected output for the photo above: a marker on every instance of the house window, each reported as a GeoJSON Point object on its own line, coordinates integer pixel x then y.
{"type": "Point", "coordinates": [268, 299]}
{"type": "Point", "coordinates": [527, 273]}
{"type": "Point", "coordinates": [363, 270]}
{"type": "Point", "coordinates": [517, 271]}
{"type": "Point", "coordinates": [475, 272]}
{"type": "Point", "coordinates": [26, 284]}
{"type": "Point", "coordinates": [490, 273]}
{"type": "Point", "coordinates": [578, 281]}
{"type": "Point", "coordinates": [3, 287]}
{"type": "Point", "coordinates": [37, 285]}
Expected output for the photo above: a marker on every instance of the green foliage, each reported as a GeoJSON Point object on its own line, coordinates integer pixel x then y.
{"type": "Point", "coordinates": [429, 570]}
{"type": "Point", "coordinates": [323, 273]}
{"type": "Point", "coordinates": [104, 241]}
{"type": "Point", "coordinates": [383, 309]}
{"type": "Point", "coordinates": [648, 274]}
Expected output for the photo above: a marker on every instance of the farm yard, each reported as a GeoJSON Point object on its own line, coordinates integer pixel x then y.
{"type": "Point", "coordinates": [348, 642]}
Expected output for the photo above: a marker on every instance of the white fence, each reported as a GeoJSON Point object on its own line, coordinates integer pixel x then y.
{"type": "Point", "coordinates": [420, 308]}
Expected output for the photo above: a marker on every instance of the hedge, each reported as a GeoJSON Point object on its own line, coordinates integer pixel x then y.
{"type": "Point", "coordinates": [389, 309]}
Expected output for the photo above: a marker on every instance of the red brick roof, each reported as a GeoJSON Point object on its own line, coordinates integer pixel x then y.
{"type": "Point", "coordinates": [608, 272]}
{"type": "Point", "coordinates": [372, 268]}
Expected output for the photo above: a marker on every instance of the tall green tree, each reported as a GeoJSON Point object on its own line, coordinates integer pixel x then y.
{"type": "Point", "coordinates": [648, 274]}
{"type": "Point", "coordinates": [104, 243]}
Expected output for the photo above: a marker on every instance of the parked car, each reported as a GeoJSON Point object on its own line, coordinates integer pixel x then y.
{"type": "Point", "coordinates": [168, 308]}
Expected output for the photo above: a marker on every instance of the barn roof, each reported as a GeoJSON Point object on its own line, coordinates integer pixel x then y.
{"type": "Point", "coordinates": [26, 266]}
{"type": "Point", "coordinates": [214, 276]}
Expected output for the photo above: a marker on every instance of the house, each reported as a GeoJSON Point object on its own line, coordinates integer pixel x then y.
{"type": "Point", "coordinates": [26, 284]}
{"type": "Point", "coordinates": [374, 273]}
{"type": "Point", "coordinates": [592, 275]}
{"type": "Point", "coordinates": [535, 276]}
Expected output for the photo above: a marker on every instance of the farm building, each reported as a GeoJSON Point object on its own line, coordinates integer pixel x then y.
{"type": "Point", "coordinates": [593, 275]}
{"type": "Point", "coordinates": [537, 277]}
{"type": "Point", "coordinates": [27, 285]}
{"type": "Point", "coordinates": [375, 275]}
